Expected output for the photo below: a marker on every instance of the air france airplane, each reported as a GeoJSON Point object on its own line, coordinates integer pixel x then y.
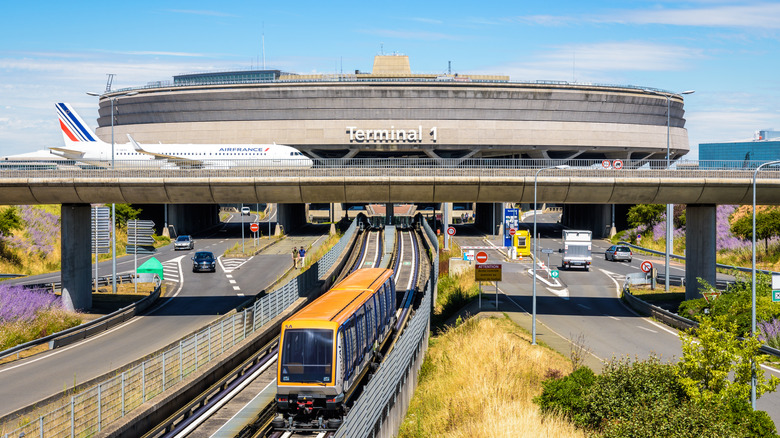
{"type": "Point", "coordinates": [82, 145]}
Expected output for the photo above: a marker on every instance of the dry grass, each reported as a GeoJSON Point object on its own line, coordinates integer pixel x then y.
{"type": "Point", "coordinates": [479, 379]}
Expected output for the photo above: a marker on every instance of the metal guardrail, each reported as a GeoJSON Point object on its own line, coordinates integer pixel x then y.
{"type": "Point", "coordinates": [378, 167]}
{"type": "Point", "coordinates": [86, 413]}
{"type": "Point", "coordinates": [679, 257]}
{"type": "Point", "coordinates": [367, 415]}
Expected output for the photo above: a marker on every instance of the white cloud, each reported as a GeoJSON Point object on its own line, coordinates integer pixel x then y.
{"type": "Point", "coordinates": [412, 35]}
{"type": "Point", "coordinates": [758, 15]}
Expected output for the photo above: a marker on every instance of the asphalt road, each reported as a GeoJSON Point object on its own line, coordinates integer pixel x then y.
{"type": "Point", "coordinates": [193, 300]}
{"type": "Point", "coordinates": [586, 305]}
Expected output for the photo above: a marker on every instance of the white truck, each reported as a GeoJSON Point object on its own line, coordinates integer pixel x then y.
{"type": "Point", "coordinates": [576, 248]}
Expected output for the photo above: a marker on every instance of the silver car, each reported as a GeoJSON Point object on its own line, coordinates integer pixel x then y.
{"type": "Point", "coordinates": [183, 242]}
{"type": "Point", "coordinates": [618, 252]}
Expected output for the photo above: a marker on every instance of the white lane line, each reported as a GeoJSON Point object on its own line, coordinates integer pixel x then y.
{"type": "Point", "coordinates": [236, 288]}
{"type": "Point", "coordinates": [560, 293]}
{"type": "Point", "coordinates": [232, 281]}
{"type": "Point", "coordinates": [610, 316]}
{"type": "Point", "coordinates": [229, 275]}
{"type": "Point", "coordinates": [645, 328]}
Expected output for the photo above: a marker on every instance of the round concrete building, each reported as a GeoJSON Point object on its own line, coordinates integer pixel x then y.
{"type": "Point", "coordinates": [394, 112]}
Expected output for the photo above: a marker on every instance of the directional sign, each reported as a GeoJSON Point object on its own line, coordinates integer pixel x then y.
{"type": "Point", "coordinates": [547, 251]}
{"type": "Point", "coordinates": [554, 274]}
{"type": "Point", "coordinates": [139, 237]}
{"type": "Point", "coordinates": [253, 227]}
{"type": "Point", "coordinates": [451, 231]}
{"type": "Point", "coordinates": [487, 272]}
{"type": "Point", "coordinates": [775, 287]}
{"type": "Point", "coordinates": [646, 266]}
{"type": "Point", "coordinates": [775, 296]}
{"type": "Point", "coordinates": [482, 257]}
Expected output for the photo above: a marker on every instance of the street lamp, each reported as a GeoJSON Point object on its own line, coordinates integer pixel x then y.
{"type": "Point", "coordinates": [533, 300]}
{"type": "Point", "coordinates": [113, 205]}
{"type": "Point", "coordinates": [753, 285]}
{"type": "Point", "coordinates": [669, 207]}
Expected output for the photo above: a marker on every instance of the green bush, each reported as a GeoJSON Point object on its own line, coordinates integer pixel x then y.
{"type": "Point", "coordinates": [566, 395]}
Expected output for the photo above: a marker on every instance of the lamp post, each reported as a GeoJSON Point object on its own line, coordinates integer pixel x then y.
{"type": "Point", "coordinates": [669, 207]}
{"type": "Point", "coordinates": [753, 285]}
{"type": "Point", "coordinates": [533, 299]}
{"type": "Point", "coordinates": [113, 205]}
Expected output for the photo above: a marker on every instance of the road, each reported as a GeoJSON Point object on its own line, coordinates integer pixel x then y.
{"type": "Point", "coordinates": [193, 300]}
{"type": "Point", "coordinates": [586, 304]}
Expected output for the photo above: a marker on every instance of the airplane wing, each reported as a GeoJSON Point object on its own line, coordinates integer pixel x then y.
{"type": "Point", "coordinates": [186, 162]}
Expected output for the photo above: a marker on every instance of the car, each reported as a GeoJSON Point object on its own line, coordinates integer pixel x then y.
{"type": "Point", "coordinates": [204, 261]}
{"type": "Point", "coordinates": [245, 211]}
{"type": "Point", "coordinates": [183, 242]}
{"type": "Point", "coordinates": [618, 252]}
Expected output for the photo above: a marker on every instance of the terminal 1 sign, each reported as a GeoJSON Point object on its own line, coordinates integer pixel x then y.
{"type": "Point", "coordinates": [390, 135]}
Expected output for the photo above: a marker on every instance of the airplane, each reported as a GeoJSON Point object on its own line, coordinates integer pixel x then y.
{"type": "Point", "coordinates": [83, 146]}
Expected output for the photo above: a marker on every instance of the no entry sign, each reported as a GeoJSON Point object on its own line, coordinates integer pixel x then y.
{"type": "Point", "coordinates": [253, 227]}
{"type": "Point", "coordinates": [482, 257]}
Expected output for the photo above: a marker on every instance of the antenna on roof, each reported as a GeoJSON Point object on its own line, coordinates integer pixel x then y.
{"type": "Point", "coordinates": [109, 81]}
{"type": "Point", "coordinates": [382, 49]}
{"type": "Point", "coordinates": [449, 67]}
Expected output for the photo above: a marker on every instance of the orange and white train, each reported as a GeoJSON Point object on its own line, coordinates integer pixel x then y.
{"type": "Point", "coordinates": [328, 346]}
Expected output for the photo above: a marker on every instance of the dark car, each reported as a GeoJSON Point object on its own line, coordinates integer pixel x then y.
{"type": "Point", "coordinates": [183, 242]}
{"type": "Point", "coordinates": [204, 261]}
{"type": "Point", "coordinates": [618, 252]}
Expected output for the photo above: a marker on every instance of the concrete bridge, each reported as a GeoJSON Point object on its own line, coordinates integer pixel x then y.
{"type": "Point", "coordinates": [391, 181]}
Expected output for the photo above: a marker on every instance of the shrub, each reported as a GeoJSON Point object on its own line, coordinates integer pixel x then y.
{"type": "Point", "coordinates": [566, 396]}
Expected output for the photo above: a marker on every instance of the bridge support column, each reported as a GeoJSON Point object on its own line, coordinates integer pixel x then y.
{"type": "Point", "coordinates": [700, 248]}
{"type": "Point", "coordinates": [76, 248]}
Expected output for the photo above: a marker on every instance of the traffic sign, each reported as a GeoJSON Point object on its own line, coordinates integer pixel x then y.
{"type": "Point", "coordinates": [605, 164]}
{"type": "Point", "coordinates": [547, 251]}
{"type": "Point", "coordinates": [646, 266]}
{"type": "Point", "coordinates": [451, 231]}
{"type": "Point", "coordinates": [253, 227]}
{"type": "Point", "coordinates": [487, 272]}
{"type": "Point", "coordinates": [512, 231]}
{"type": "Point", "coordinates": [554, 274]}
{"type": "Point", "coordinates": [618, 164]}
{"type": "Point", "coordinates": [709, 296]}
{"type": "Point", "coordinates": [775, 296]}
{"type": "Point", "coordinates": [775, 287]}
{"type": "Point", "coordinates": [482, 257]}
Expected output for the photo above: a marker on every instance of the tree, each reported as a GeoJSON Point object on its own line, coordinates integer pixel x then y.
{"type": "Point", "coordinates": [126, 212]}
{"type": "Point", "coordinates": [10, 220]}
{"type": "Point", "coordinates": [645, 214]}
{"type": "Point", "coordinates": [767, 226]}
{"type": "Point", "coordinates": [710, 362]}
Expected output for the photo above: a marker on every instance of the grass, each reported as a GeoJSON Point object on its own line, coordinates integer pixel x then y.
{"type": "Point", "coordinates": [478, 380]}
{"type": "Point", "coordinates": [454, 292]}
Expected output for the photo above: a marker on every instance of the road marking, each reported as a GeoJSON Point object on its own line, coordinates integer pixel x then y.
{"type": "Point", "coordinates": [560, 293]}
{"type": "Point", "coordinates": [645, 328]}
{"type": "Point", "coordinates": [584, 306]}
{"type": "Point", "coordinates": [232, 281]}
{"type": "Point", "coordinates": [236, 288]}
{"type": "Point", "coordinates": [610, 316]}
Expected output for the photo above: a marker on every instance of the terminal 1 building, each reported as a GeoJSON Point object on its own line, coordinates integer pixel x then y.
{"type": "Point", "coordinates": [393, 112]}
{"type": "Point", "coordinates": [764, 146]}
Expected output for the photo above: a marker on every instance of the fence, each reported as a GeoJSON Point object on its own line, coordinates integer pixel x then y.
{"type": "Point", "coordinates": [86, 413]}
{"type": "Point", "coordinates": [391, 383]}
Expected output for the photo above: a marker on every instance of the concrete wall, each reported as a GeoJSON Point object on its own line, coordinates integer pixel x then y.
{"type": "Point", "coordinates": [517, 118]}
{"type": "Point", "coordinates": [291, 216]}
{"type": "Point", "coordinates": [183, 218]}
{"type": "Point", "coordinates": [489, 215]}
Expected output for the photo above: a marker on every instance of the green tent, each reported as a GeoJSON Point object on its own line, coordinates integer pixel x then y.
{"type": "Point", "coordinates": [151, 266]}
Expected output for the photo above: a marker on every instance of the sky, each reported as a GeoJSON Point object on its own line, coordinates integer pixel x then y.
{"type": "Point", "coordinates": [725, 50]}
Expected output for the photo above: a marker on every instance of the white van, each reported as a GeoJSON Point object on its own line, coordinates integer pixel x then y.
{"type": "Point", "coordinates": [244, 211]}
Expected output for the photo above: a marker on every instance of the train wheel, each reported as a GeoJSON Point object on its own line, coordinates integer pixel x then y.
{"type": "Point", "coordinates": [334, 423]}
{"type": "Point", "coordinates": [277, 423]}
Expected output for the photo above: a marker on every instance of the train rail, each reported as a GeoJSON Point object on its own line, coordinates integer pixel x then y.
{"type": "Point", "coordinates": [190, 420]}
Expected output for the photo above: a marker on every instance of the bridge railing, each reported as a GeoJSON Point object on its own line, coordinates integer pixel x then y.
{"type": "Point", "coordinates": [378, 167]}
{"type": "Point", "coordinates": [94, 407]}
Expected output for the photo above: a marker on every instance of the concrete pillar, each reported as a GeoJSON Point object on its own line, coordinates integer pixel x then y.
{"type": "Point", "coordinates": [700, 248]}
{"type": "Point", "coordinates": [389, 213]}
{"type": "Point", "coordinates": [446, 209]}
{"type": "Point", "coordinates": [76, 248]}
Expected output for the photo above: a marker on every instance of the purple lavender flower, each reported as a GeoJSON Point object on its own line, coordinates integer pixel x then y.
{"type": "Point", "coordinates": [18, 303]}
{"type": "Point", "coordinates": [769, 332]}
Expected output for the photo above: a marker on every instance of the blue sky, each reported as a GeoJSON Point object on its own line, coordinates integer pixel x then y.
{"type": "Point", "coordinates": [728, 51]}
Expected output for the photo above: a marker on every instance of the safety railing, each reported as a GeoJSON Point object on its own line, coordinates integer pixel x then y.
{"type": "Point", "coordinates": [369, 413]}
{"type": "Point", "coordinates": [88, 411]}
{"type": "Point", "coordinates": [387, 167]}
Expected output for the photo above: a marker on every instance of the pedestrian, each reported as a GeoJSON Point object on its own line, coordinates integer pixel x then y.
{"type": "Point", "coordinates": [302, 255]}
{"type": "Point", "coordinates": [295, 257]}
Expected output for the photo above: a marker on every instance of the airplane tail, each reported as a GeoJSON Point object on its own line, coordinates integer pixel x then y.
{"type": "Point", "coordinates": [74, 130]}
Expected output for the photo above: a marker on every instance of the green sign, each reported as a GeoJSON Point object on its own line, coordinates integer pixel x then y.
{"type": "Point", "coordinates": [554, 274]}
{"type": "Point", "coordinates": [776, 295]}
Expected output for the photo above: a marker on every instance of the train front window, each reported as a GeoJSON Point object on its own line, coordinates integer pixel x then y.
{"type": "Point", "coordinates": [307, 356]}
